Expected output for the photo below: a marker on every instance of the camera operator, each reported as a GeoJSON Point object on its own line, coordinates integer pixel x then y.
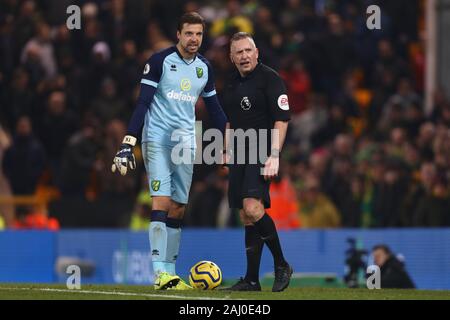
{"type": "Point", "coordinates": [393, 273]}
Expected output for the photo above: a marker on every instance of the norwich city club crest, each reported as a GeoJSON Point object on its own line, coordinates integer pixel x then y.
{"type": "Point", "coordinates": [199, 72]}
{"type": "Point", "coordinates": [156, 184]}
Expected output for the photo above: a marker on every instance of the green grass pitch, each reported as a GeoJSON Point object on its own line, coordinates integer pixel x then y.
{"type": "Point", "coordinates": [120, 292]}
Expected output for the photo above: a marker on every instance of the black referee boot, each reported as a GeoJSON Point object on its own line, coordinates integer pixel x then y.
{"type": "Point", "coordinates": [244, 285]}
{"type": "Point", "coordinates": [282, 277]}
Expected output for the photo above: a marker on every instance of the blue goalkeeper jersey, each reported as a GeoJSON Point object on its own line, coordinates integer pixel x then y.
{"type": "Point", "coordinates": [171, 116]}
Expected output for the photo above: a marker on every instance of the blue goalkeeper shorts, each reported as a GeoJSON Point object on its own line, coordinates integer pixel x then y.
{"type": "Point", "coordinates": [166, 175]}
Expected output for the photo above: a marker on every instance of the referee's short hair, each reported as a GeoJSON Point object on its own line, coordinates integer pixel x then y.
{"type": "Point", "coordinates": [241, 35]}
{"type": "Point", "coordinates": [190, 18]}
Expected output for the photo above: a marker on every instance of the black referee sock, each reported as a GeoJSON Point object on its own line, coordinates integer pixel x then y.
{"type": "Point", "coordinates": [268, 232]}
{"type": "Point", "coordinates": [253, 249]}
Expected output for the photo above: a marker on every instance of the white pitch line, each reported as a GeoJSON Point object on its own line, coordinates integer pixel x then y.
{"type": "Point", "coordinates": [118, 293]}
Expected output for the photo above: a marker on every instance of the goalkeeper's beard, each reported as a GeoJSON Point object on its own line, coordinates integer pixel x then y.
{"type": "Point", "coordinates": [188, 51]}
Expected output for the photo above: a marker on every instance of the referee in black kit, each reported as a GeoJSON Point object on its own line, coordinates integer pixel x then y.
{"type": "Point", "coordinates": [255, 99]}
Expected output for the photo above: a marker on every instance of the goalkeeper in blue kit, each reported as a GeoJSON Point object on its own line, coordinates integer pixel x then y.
{"type": "Point", "coordinates": [172, 81]}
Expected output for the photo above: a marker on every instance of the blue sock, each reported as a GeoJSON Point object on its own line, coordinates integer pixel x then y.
{"type": "Point", "coordinates": [173, 227]}
{"type": "Point", "coordinates": [158, 241]}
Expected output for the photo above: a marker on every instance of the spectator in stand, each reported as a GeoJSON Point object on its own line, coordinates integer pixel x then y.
{"type": "Point", "coordinates": [209, 206]}
{"type": "Point", "coordinates": [43, 48]}
{"type": "Point", "coordinates": [108, 105]}
{"type": "Point", "coordinates": [24, 161]}
{"type": "Point", "coordinates": [424, 140]}
{"type": "Point", "coordinates": [316, 210]}
{"type": "Point", "coordinates": [57, 125]}
{"type": "Point", "coordinates": [390, 193]}
{"type": "Point", "coordinates": [298, 83]}
{"type": "Point", "coordinates": [336, 124]}
{"type": "Point", "coordinates": [284, 202]}
{"type": "Point", "coordinates": [34, 218]}
{"type": "Point", "coordinates": [420, 187]}
{"type": "Point", "coordinates": [433, 208]}
{"type": "Point", "coordinates": [78, 159]}
{"type": "Point", "coordinates": [18, 99]}
{"type": "Point", "coordinates": [340, 190]}
{"type": "Point", "coordinates": [140, 218]}
{"type": "Point", "coordinates": [234, 21]}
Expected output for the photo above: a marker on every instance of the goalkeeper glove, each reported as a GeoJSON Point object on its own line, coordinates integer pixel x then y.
{"type": "Point", "coordinates": [124, 157]}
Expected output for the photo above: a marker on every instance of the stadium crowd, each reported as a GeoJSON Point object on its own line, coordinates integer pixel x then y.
{"type": "Point", "coordinates": [361, 150]}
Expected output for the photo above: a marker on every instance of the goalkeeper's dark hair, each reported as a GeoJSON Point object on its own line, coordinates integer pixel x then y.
{"type": "Point", "coordinates": [190, 18]}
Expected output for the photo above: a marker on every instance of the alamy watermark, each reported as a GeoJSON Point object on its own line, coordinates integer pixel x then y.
{"type": "Point", "coordinates": [374, 17]}
{"type": "Point", "coordinates": [74, 20]}
{"type": "Point", "coordinates": [74, 280]}
{"type": "Point", "coordinates": [251, 146]}
{"type": "Point", "coordinates": [373, 21]}
{"type": "Point", "coordinates": [374, 278]}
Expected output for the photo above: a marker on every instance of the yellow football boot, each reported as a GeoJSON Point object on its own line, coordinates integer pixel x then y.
{"type": "Point", "coordinates": [181, 285]}
{"type": "Point", "coordinates": [165, 281]}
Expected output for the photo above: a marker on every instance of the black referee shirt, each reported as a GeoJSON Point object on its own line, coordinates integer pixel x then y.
{"type": "Point", "coordinates": [256, 101]}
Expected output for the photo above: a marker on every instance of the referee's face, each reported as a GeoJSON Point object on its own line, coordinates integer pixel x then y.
{"type": "Point", "coordinates": [244, 55]}
{"type": "Point", "coordinates": [190, 38]}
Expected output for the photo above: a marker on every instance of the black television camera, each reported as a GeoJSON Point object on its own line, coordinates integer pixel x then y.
{"type": "Point", "coordinates": [356, 264]}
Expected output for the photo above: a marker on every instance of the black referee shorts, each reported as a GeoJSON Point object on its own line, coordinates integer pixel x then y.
{"type": "Point", "coordinates": [246, 181]}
